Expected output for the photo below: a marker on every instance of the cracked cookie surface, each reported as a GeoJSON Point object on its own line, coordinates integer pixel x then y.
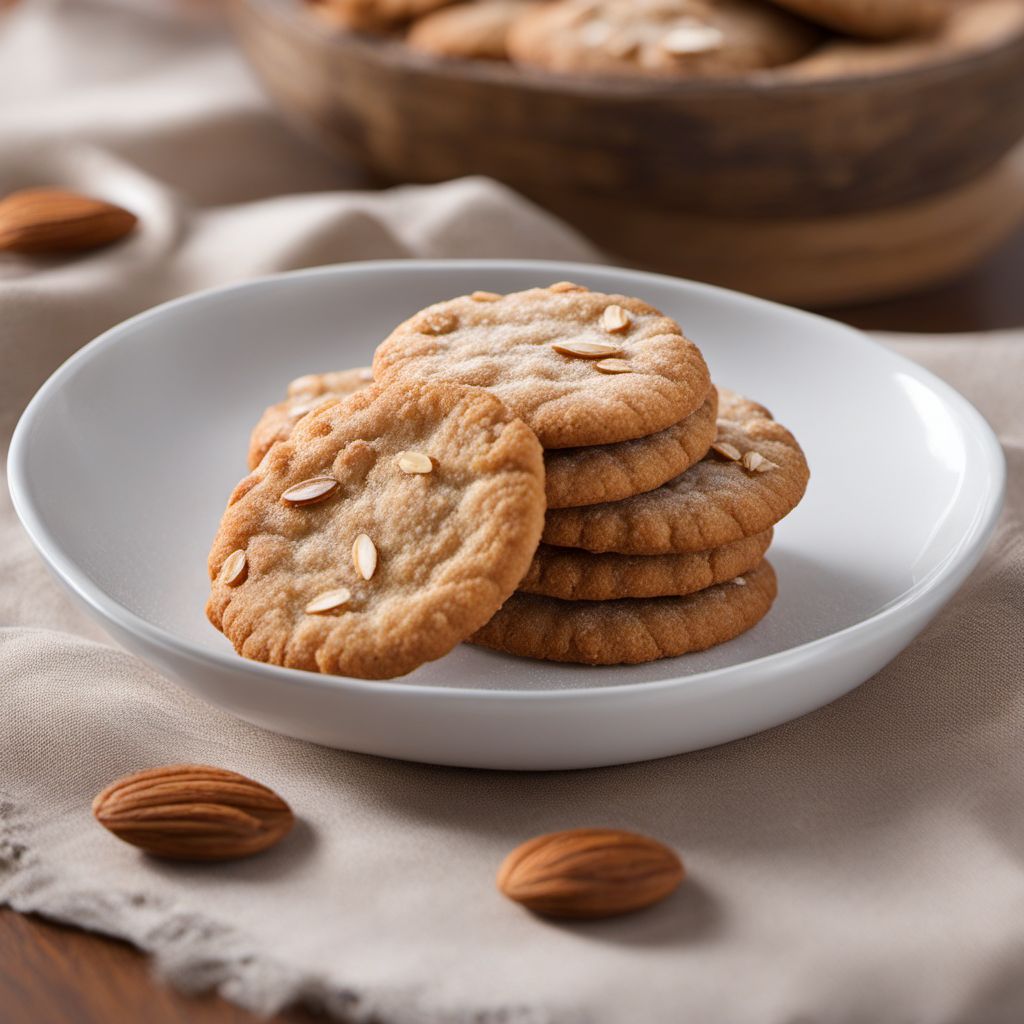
{"type": "Point", "coordinates": [573, 575]}
{"type": "Point", "coordinates": [715, 502]}
{"type": "Point", "coordinates": [574, 372]}
{"type": "Point", "coordinates": [386, 529]}
{"type": "Point", "coordinates": [629, 631]}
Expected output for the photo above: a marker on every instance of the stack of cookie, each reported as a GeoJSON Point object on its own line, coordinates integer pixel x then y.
{"type": "Point", "coordinates": [583, 420]}
{"type": "Point", "coordinates": [663, 572]}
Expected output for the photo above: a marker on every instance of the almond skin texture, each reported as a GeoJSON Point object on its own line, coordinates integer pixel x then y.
{"type": "Point", "coordinates": [589, 873]}
{"type": "Point", "coordinates": [51, 220]}
{"type": "Point", "coordinates": [193, 812]}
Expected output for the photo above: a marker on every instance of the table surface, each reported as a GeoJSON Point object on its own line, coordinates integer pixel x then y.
{"type": "Point", "coordinates": [50, 973]}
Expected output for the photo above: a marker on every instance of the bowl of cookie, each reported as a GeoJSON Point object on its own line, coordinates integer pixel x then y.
{"type": "Point", "coordinates": [504, 514]}
{"type": "Point", "coordinates": [871, 144]}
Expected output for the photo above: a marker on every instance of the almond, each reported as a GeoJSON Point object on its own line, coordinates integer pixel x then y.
{"type": "Point", "coordinates": [51, 220]}
{"type": "Point", "coordinates": [589, 872]}
{"type": "Point", "coordinates": [193, 812]}
{"type": "Point", "coordinates": [586, 349]}
{"type": "Point", "coordinates": [310, 492]}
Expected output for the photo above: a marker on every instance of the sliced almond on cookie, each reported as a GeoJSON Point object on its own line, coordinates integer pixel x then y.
{"type": "Point", "coordinates": [586, 349]}
{"type": "Point", "coordinates": [696, 38]}
{"type": "Point", "coordinates": [756, 462]}
{"type": "Point", "coordinates": [309, 492]}
{"type": "Point", "coordinates": [415, 462]}
{"type": "Point", "coordinates": [615, 318]}
{"type": "Point", "coordinates": [727, 451]}
{"type": "Point", "coordinates": [364, 556]}
{"type": "Point", "coordinates": [329, 601]}
{"type": "Point", "coordinates": [613, 366]}
{"type": "Point", "coordinates": [235, 569]}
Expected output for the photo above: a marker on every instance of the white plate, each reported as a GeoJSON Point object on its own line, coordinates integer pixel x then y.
{"type": "Point", "coordinates": [121, 466]}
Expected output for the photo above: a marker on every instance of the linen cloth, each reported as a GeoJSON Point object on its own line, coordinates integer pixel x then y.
{"type": "Point", "coordinates": [861, 864]}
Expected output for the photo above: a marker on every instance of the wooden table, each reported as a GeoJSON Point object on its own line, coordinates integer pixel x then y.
{"type": "Point", "coordinates": [55, 975]}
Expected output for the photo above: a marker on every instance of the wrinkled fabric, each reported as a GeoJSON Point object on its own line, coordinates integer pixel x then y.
{"type": "Point", "coordinates": [861, 864]}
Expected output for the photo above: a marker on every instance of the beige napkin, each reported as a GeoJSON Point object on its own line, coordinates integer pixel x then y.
{"type": "Point", "coordinates": [863, 864]}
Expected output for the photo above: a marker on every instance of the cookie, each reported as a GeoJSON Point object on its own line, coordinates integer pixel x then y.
{"type": "Point", "coordinates": [573, 575]}
{"type": "Point", "coordinates": [668, 38]}
{"type": "Point", "coordinates": [579, 367]}
{"type": "Point", "coordinates": [385, 530]}
{"type": "Point", "coordinates": [610, 472]}
{"type": "Point", "coordinates": [967, 29]}
{"type": "Point", "coordinates": [873, 19]}
{"type": "Point", "coordinates": [477, 30]}
{"type": "Point", "coordinates": [720, 500]}
{"type": "Point", "coordinates": [304, 395]}
{"type": "Point", "coordinates": [374, 15]}
{"type": "Point", "coordinates": [632, 630]}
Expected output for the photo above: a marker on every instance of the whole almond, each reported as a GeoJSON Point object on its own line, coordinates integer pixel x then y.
{"type": "Point", "coordinates": [193, 812]}
{"type": "Point", "coordinates": [589, 872]}
{"type": "Point", "coordinates": [52, 220]}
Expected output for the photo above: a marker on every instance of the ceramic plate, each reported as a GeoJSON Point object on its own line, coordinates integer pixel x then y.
{"type": "Point", "coordinates": [121, 466]}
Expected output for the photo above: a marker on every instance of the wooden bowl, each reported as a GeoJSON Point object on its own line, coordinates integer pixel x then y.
{"type": "Point", "coordinates": [608, 153]}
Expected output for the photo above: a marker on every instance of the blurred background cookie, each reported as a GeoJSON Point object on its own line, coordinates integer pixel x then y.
{"type": "Point", "coordinates": [373, 15]}
{"type": "Point", "coordinates": [873, 19]}
{"type": "Point", "coordinates": [477, 30]}
{"type": "Point", "coordinates": [658, 37]}
{"type": "Point", "coordinates": [969, 28]}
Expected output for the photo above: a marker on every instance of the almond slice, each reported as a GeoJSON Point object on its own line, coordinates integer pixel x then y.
{"type": "Point", "coordinates": [485, 296]}
{"type": "Point", "coordinates": [727, 451]}
{"type": "Point", "coordinates": [587, 349]}
{"type": "Point", "coordinates": [615, 318]}
{"type": "Point", "coordinates": [756, 462]}
{"type": "Point", "coordinates": [329, 601]}
{"type": "Point", "coordinates": [566, 286]}
{"type": "Point", "coordinates": [415, 462]}
{"type": "Point", "coordinates": [696, 38]}
{"type": "Point", "coordinates": [309, 492]}
{"type": "Point", "coordinates": [364, 556]}
{"type": "Point", "coordinates": [614, 366]}
{"type": "Point", "coordinates": [235, 568]}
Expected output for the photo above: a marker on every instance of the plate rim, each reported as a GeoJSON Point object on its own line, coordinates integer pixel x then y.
{"type": "Point", "coordinates": [967, 551]}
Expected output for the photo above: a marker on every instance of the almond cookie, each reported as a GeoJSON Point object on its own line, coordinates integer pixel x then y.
{"type": "Point", "coordinates": [387, 528]}
{"type": "Point", "coordinates": [629, 631]}
{"type": "Point", "coordinates": [304, 395]}
{"type": "Point", "coordinates": [477, 30]}
{"type": "Point", "coordinates": [668, 38]}
{"type": "Point", "coordinates": [579, 367]}
{"type": "Point", "coordinates": [969, 28]}
{"type": "Point", "coordinates": [573, 575]}
{"type": "Point", "coordinates": [610, 472]}
{"type": "Point", "coordinates": [754, 475]}
{"type": "Point", "coordinates": [873, 19]}
{"type": "Point", "coordinates": [374, 15]}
